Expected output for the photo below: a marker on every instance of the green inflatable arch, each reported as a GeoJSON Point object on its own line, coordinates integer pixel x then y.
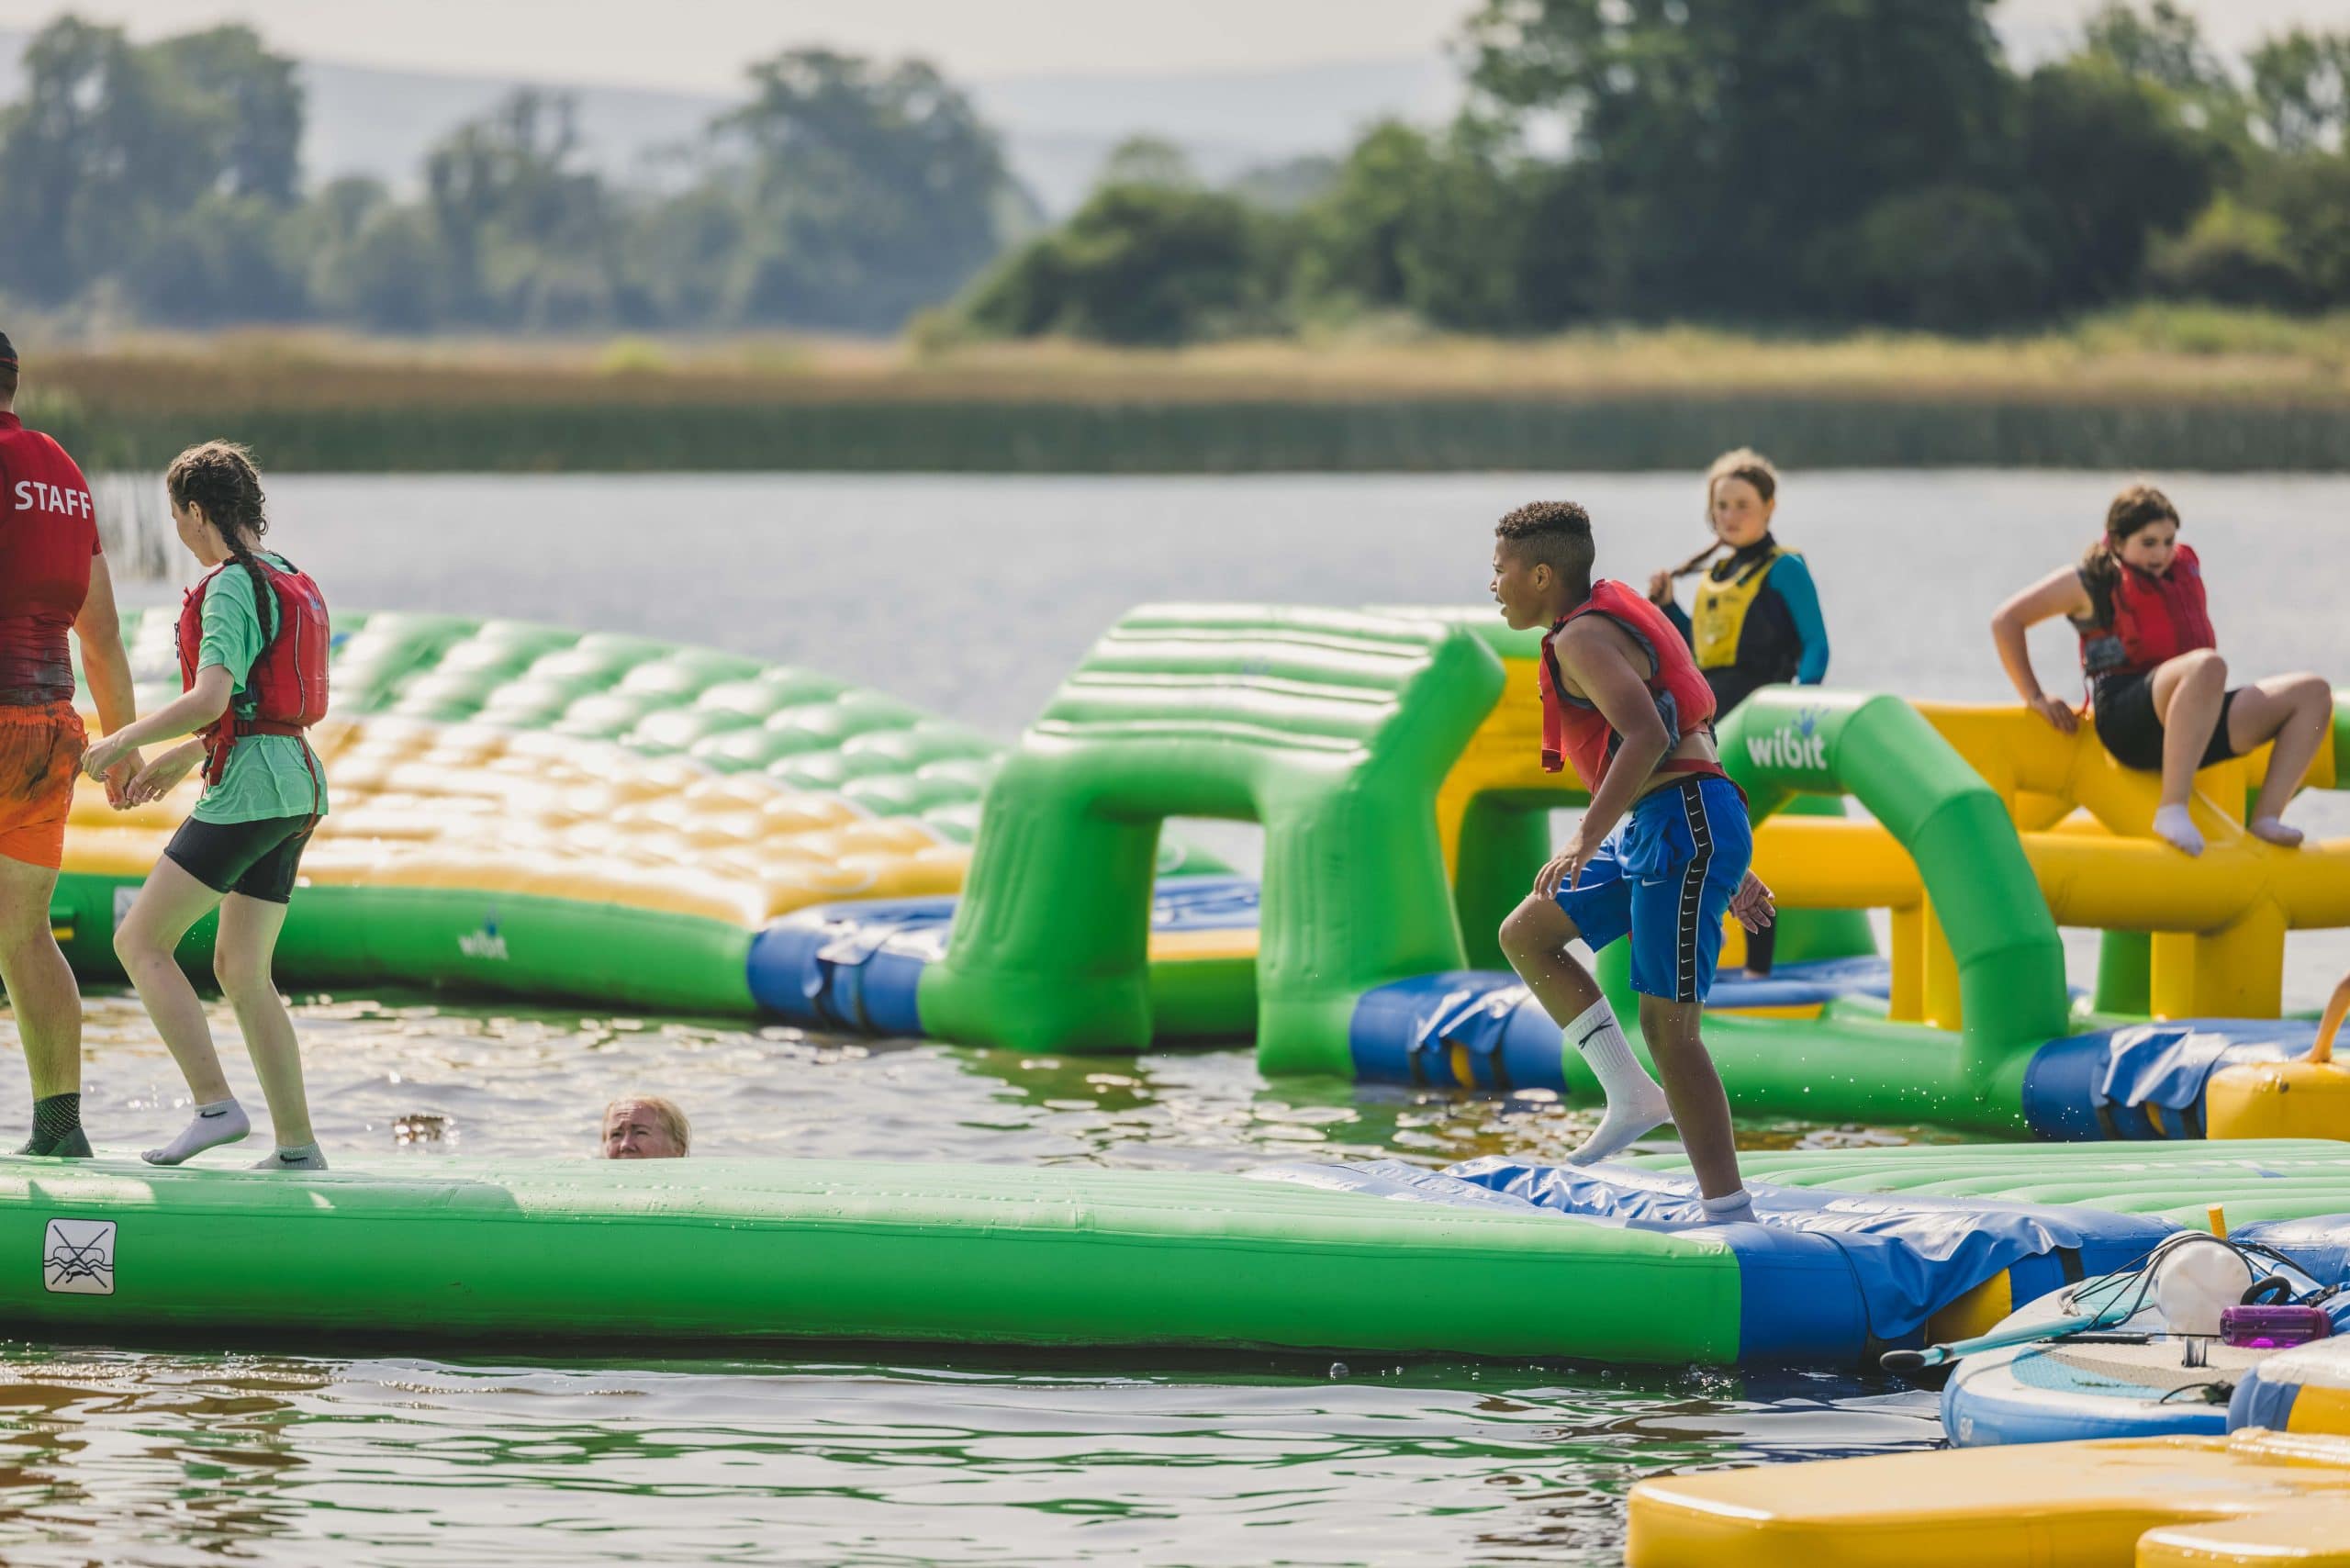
{"type": "Point", "coordinates": [1333, 729]}
{"type": "Point", "coordinates": [1786, 742]}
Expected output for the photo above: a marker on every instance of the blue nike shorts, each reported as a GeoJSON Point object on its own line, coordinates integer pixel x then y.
{"type": "Point", "coordinates": [1664, 878]}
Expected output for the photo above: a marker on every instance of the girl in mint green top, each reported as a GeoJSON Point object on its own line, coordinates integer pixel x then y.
{"type": "Point", "coordinates": [241, 850]}
{"type": "Point", "coordinates": [268, 775]}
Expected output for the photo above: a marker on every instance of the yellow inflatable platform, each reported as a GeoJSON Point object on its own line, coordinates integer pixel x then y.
{"type": "Point", "coordinates": [2252, 1497]}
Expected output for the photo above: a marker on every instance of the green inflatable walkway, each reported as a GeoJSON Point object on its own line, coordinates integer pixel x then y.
{"type": "Point", "coordinates": [710, 1255]}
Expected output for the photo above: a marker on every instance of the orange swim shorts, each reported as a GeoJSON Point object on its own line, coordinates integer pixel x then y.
{"type": "Point", "coordinates": [41, 749]}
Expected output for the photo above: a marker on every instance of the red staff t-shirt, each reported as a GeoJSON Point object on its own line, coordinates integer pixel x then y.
{"type": "Point", "coordinates": [49, 532]}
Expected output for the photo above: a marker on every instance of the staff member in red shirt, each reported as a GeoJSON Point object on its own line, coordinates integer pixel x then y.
{"type": "Point", "coordinates": [53, 580]}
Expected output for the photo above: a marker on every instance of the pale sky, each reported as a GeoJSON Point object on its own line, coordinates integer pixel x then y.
{"type": "Point", "coordinates": [701, 44]}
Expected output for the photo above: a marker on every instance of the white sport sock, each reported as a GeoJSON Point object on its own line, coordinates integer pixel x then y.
{"type": "Point", "coordinates": [306, 1157]}
{"type": "Point", "coordinates": [1729, 1206]}
{"type": "Point", "coordinates": [2175, 825]}
{"type": "Point", "coordinates": [1636, 1103]}
{"type": "Point", "coordinates": [221, 1122]}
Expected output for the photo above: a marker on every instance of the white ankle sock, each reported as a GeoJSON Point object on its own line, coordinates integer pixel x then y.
{"type": "Point", "coordinates": [306, 1157]}
{"type": "Point", "coordinates": [221, 1122]}
{"type": "Point", "coordinates": [1738, 1206]}
{"type": "Point", "coordinates": [1636, 1103]}
{"type": "Point", "coordinates": [2175, 825]}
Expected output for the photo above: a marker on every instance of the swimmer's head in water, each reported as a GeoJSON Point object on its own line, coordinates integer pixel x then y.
{"type": "Point", "coordinates": [645, 1126]}
{"type": "Point", "coordinates": [1741, 493]}
{"type": "Point", "coordinates": [1542, 559]}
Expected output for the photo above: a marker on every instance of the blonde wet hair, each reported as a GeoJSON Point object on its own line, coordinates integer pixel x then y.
{"type": "Point", "coordinates": [673, 1120]}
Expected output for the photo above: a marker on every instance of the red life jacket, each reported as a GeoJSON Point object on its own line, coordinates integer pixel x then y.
{"type": "Point", "coordinates": [2154, 619]}
{"type": "Point", "coordinates": [1573, 730]}
{"type": "Point", "coordinates": [288, 679]}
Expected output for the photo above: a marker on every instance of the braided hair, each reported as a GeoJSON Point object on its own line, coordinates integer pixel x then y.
{"type": "Point", "coordinates": [2132, 509]}
{"type": "Point", "coordinates": [219, 476]}
{"type": "Point", "coordinates": [1746, 463]}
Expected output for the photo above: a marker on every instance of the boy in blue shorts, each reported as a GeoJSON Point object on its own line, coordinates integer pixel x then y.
{"type": "Point", "coordinates": [1661, 853]}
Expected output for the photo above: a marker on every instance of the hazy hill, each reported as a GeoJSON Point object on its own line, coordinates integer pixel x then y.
{"type": "Point", "coordinates": [1058, 130]}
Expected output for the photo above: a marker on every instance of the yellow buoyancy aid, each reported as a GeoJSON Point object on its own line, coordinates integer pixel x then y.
{"type": "Point", "coordinates": [1717, 625]}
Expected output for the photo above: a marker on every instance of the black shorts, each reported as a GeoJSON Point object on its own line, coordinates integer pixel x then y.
{"type": "Point", "coordinates": [2127, 723]}
{"type": "Point", "coordinates": [258, 860]}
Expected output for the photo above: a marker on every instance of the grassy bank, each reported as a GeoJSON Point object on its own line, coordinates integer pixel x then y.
{"type": "Point", "coordinates": [2152, 389]}
{"type": "Point", "coordinates": [1204, 437]}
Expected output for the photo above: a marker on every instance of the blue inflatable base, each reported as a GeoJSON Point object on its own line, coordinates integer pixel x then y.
{"type": "Point", "coordinates": [1826, 1277]}
{"type": "Point", "coordinates": [1405, 1032]}
{"type": "Point", "coordinates": [857, 968]}
{"type": "Point", "coordinates": [2146, 1081]}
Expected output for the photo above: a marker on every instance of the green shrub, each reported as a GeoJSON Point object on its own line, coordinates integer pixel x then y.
{"type": "Point", "coordinates": [1953, 259]}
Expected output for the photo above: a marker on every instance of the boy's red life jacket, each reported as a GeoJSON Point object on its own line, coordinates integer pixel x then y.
{"type": "Point", "coordinates": [1574, 730]}
{"type": "Point", "coordinates": [288, 681]}
{"type": "Point", "coordinates": [2154, 619]}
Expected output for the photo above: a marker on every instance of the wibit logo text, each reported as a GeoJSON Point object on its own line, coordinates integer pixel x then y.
{"type": "Point", "coordinates": [482, 945]}
{"type": "Point", "coordinates": [1788, 747]}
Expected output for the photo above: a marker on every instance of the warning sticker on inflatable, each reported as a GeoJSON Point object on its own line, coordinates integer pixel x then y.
{"type": "Point", "coordinates": [77, 1257]}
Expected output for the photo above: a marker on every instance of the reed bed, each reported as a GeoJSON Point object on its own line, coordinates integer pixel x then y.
{"type": "Point", "coordinates": [2172, 387]}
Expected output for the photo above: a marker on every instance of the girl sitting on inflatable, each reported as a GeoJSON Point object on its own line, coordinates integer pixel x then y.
{"type": "Point", "coordinates": [2158, 689]}
{"type": "Point", "coordinates": [1757, 621]}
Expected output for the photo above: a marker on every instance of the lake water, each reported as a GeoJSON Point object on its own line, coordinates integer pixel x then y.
{"type": "Point", "coordinates": [974, 597]}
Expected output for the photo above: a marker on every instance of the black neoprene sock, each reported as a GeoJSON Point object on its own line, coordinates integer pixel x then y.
{"type": "Point", "coordinates": [57, 1128]}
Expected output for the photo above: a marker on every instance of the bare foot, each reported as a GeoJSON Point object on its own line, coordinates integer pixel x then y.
{"type": "Point", "coordinates": [2276, 833]}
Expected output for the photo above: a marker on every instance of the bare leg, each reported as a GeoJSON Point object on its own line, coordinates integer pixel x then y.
{"type": "Point", "coordinates": [149, 936]}
{"type": "Point", "coordinates": [2187, 692]}
{"type": "Point", "coordinates": [47, 1002]}
{"type": "Point", "coordinates": [2337, 1008]}
{"type": "Point", "coordinates": [2297, 712]}
{"type": "Point", "coordinates": [1534, 938]}
{"type": "Point", "coordinates": [240, 961]}
{"type": "Point", "coordinates": [1700, 1105]}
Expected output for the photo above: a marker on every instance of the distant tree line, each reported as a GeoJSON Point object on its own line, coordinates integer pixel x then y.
{"type": "Point", "coordinates": [1792, 164]}
{"type": "Point", "coordinates": [161, 181]}
{"type": "Point", "coordinates": [1787, 164]}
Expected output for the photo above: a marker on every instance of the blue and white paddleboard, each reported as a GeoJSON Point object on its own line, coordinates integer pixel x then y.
{"type": "Point", "coordinates": [2133, 1379]}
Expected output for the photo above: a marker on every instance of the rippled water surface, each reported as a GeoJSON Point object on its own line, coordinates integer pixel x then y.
{"type": "Point", "coordinates": [188, 1460]}
{"type": "Point", "coordinates": [973, 597]}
